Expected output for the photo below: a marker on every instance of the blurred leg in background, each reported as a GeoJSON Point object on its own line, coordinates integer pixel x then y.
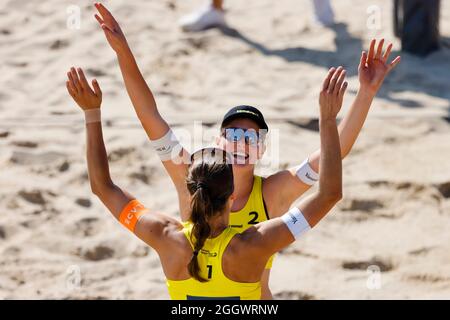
{"type": "Point", "coordinates": [416, 22]}
{"type": "Point", "coordinates": [212, 15]}
{"type": "Point", "coordinates": [208, 16]}
{"type": "Point", "coordinates": [323, 13]}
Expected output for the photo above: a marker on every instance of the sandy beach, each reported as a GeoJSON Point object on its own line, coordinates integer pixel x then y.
{"type": "Point", "coordinates": [389, 238]}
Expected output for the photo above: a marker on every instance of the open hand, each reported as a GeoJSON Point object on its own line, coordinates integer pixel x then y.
{"type": "Point", "coordinates": [332, 93]}
{"type": "Point", "coordinates": [111, 28]}
{"type": "Point", "coordinates": [81, 92]}
{"type": "Point", "coordinates": [374, 67]}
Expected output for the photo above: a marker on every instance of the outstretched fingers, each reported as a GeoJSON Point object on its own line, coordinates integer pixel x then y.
{"type": "Point", "coordinates": [96, 87]}
{"type": "Point", "coordinates": [106, 16]}
{"type": "Point", "coordinates": [75, 80]}
{"type": "Point", "coordinates": [387, 53]}
{"type": "Point", "coordinates": [102, 9]}
{"type": "Point", "coordinates": [334, 79]}
{"type": "Point", "coordinates": [103, 23]}
{"type": "Point", "coordinates": [107, 29]}
{"type": "Point", "coordinates": [363, 61]}
{"type": "Point", "coordinates": [379, 50]}
{"type": "Point", "coordinates": [378, 55]}
{"type": "Point", "coordinates": [371, 51]}
{"type": "Point", "coordinates": [326, 82]}
{"type": "Point", "coordinates": [99, 19]}
{"type": "Point", "coordinates": [341, 86]}
{"type": "Point", "coordinates": [394, 63]}
{"type": "Point", "coordinates": [83, 81]}
{"type": "Point", "coordinates": [339, 82]}
{"type": "Point", "coordinates": [342, 91]}
{"type": "Point", "coordinates": [70, 88]}
{"type": "Point", "coordinates": [71, 83]}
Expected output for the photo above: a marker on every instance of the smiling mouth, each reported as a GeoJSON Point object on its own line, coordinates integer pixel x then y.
{"type": "Point", "coordinates": [240, 157]}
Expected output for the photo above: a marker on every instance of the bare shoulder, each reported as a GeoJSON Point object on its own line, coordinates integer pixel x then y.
{"type": "Point", "coordinates": [165, 222]}
{"type": "Point", "coordinates": [245, 242]}
{"type": "Point", "coordinates": [280, 190]}
{"type": "Point", "coordinates": [159, 230]}
{"type": "Point", "coordinates": [245, 248]}
{"type": "Point", "coordinates": [274, 189]}
{"type": "Point", "coordinates": [282, 179]}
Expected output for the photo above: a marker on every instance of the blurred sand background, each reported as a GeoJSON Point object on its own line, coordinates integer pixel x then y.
{"type": "Point", "coordinates": [396, 208]}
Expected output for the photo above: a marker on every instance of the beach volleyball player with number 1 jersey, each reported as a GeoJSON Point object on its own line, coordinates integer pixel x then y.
{"type": "Point", "coordinates": [256, 198]}
{"type": "Point", "coordinates": [204, 257]}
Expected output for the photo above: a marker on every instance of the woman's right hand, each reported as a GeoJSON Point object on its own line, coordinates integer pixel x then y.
{"type": "Point", "coordinates": [81, 92]}
{"type": "Point", "coordinates": [111, 28]}
{"type": "Point", "coordinates": [332, 93]}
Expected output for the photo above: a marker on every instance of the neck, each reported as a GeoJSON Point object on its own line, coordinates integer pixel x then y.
{"type": "Point", "coordinates": [218, 225]}
{"type": "Point", "coordinates": [243, 184]}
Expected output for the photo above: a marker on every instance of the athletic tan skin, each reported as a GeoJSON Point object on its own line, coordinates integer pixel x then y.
{"type": "Point", "coordinates": [280, 189]}
{"type": "Point", "coordinates": [251, 248]}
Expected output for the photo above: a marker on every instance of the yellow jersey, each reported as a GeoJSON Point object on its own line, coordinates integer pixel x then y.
{"type": "Point", "coordinates": [253, 212]}
{"type": "Point", "coordinates": [218, 285]}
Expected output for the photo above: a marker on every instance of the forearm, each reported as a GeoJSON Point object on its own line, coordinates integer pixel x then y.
{"type": "Point", "coordinates": [349, 128]}
{"type": "Point", "coordinates": [141, 96]}
{"type": "Point", "coordinates": [317, 205]}
{"type": "Point", "coordinates": [351, 125]}
{"type": "Point", "coordinates": [330, 178]}
{"type": "Point", "coordinates": [97, 159]}
{"type": "Point", "coordinates": [90, 101]}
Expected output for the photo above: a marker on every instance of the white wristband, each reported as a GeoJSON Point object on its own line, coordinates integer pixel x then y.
{"type": "Point", "coordinates": [296, 222]}
{"type": "Point", "coordinates": [167, 147]}
{"type": "Point", "coordinates": [92, 115]}
{"type": "Point", "coordinates": [306, 174]}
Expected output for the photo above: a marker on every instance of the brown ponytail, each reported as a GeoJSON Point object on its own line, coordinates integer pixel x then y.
{"type": "Point", "coordinates": [210, 183]}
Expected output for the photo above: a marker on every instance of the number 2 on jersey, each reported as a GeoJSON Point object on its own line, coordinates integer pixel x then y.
{"type": "Point", "coordinates": [255, 215]}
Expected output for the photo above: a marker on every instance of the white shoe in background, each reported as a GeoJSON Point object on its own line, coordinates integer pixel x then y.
{"type": "Point", "coordinates": [204, 18]}
{"type": "Point", "coordinates": [323, 13]}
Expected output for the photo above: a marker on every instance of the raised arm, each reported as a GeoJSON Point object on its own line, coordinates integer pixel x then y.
{"type": "Point", "coordinates": [291, 184]}
{"type": "Point", "coordinates": [373, 69]}
{"type": "Point", "coordinates": [146, 109]}
{"type": "Point", "coordinates": [138, 90]}
{"type": "Point", "coordinates": [90, 102]}
{"type": "Point", "coordinates": [151, 228]}
{"type": "Point", "coordinates": [271, 236]}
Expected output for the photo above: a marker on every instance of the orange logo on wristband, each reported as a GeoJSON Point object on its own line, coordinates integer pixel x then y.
{"type": "Point", "coordinates": [131, 214]}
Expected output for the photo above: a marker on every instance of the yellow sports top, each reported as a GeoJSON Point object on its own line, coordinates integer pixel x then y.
{"type": "Point", "coordinates": [218, 285]}
{"type": "Point", "coordinates": [253, 212]}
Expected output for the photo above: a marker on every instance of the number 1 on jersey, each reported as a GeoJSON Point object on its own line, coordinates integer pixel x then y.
{"type": "Point", "coordinates": [209, 271]}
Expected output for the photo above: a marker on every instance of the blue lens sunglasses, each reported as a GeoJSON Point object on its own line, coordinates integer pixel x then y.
{"type": "Point", "coordinates": [236, 134]}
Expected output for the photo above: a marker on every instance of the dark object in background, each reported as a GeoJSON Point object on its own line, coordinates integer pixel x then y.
{"type": "Point", "coordinates": [416, 22]}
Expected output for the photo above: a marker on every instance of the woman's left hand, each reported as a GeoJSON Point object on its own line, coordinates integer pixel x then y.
{"type": "Point", "coordinates": [374, 67]}
{"type": "Point", "coordinates": [81, 92]}
{"type": "Point", "coordinates": [111, 28]}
